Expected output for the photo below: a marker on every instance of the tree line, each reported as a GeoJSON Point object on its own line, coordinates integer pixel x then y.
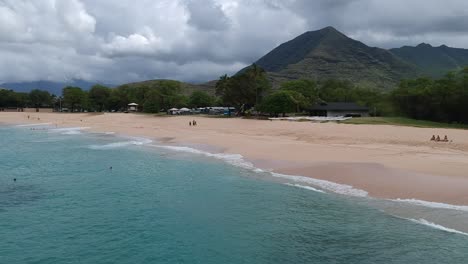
{"type": "Point", "coordinates": [442, 100]}
{"type": "Point", "coordinates": [251, 89]}
{"type": "Point", "coordinates": [152, 97]}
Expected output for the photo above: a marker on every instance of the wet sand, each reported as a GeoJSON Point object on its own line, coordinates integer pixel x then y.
{"type": "Point", "coordinates": [386, 161]}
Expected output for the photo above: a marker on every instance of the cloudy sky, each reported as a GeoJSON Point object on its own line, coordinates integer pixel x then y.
{"type": "Point", "coordinates": [118, 41]}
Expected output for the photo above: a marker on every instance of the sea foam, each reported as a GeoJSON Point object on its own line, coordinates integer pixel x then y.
{"type": "Point", "coordinates": [233, 159]}
{"type": "Point", "coordinates": [68, 130]}
{"type": "Point", "coordinates": [134, 141]}
{"type": "Point", "coordinates": [239, 161]}
{"type": "Point", "coordinates": [31, 125]}
{"type": "Point", "coordinates": [432, 204]}
{"type": "Point", "coordinates": [436, 226]}
{"type": "Point", "coordinates": [325, 185]}
{"type": "Point", "coordinates": [310, 188]}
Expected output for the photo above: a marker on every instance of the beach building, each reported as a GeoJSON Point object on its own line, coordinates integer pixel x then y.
{"type": "Point", "coordinates": [335, 109]}
{"type": "Point", "coordinates": [132, 107]}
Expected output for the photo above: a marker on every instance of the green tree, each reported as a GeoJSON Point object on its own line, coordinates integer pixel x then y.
{"type": "Point", "coordinates": [201, 99]}
{"type": "Point", "coordinates": [9, 98]}
{"type": "Point", "coordinates": [99, 96]}
{"type": "Point", "coordinates": [307, 88]}
{"type": "Point", "coordinates": [282, 102]}
{"type": "Point", "coordinates": [442, 100]}
{"type": "Point", "coordinates": [151, 104]}
{"type": "Point", "coordinates": [246, 88]}
{"type": "Point", "coordinates": [73, 97]}
{"type": "Point", "coordinates": [335, 91]}
{"type": "Point", "coordinates": [40, 98]}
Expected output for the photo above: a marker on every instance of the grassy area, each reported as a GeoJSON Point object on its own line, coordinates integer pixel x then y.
{"type": "Point", "coordinates": [401, 121]}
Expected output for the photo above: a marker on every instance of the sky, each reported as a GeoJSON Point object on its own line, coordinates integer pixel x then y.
{"type": "Point", "coordinates": [121, 41]}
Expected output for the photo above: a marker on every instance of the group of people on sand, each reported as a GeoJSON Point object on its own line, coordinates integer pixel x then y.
{"type": "Point", "coordinates": [38, 118]}
{"type": "Point", "coordinates": [192, 123]}
{"type": "Point", "coordinates": [438, 139]}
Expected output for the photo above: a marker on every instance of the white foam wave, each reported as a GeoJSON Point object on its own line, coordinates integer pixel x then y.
{"type": "Point", "coordinates": [31, 125]}
{"type": "Point", "coordinates": [68, 130]}
{"type": "Point", "coordinates": [325, 185]}
{"type": "Point", "coordinates": [233, 159]}
{"type": "Point", "coordinates": [121, 144]}
{"type": "Point", "coordinates": [71, 132]}
{"type": "Point", "coordinates": [64, 129]}
{"type": "Point", "coordinates": [238, 160]}
{"type": "Point", "coordinates": [433, 204]}
{"type": "Point", "coordinates": [436, 226]}
{"type": "Point", "coordinates": [310, 188]}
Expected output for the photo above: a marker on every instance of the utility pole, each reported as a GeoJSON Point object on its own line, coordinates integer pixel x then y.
{"type": "Point", "coordinates": [256, 100]}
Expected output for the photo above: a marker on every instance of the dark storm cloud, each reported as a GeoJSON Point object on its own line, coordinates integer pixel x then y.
{"type": "Point", "coordinates": [118, 41]}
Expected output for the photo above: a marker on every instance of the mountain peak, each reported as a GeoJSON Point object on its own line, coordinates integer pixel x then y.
{"type": "Point", "coordinates": [424, 45]}
{"type": "Point", "coordinates": [329, 54]}
{"type": "Point", "coordinates": [328, 29]}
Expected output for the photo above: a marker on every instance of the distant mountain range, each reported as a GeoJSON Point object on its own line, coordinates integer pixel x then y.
{"type": "Point", "coordinates": [51, 87]}
{"type": "Point", "coordinates": [434, 61]}
{"type": "Point", "coordinates": [329, 54]}
{"type": "Point", "coordinates": [325, 54]}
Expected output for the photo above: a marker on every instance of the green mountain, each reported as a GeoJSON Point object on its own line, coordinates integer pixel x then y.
{"type": "Point", "coordinates": [434, 61]}
{"type": "Point", "coordinates": [329, 54]}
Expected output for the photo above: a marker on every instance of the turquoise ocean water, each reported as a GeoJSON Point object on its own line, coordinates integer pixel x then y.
{"type": "Point", "coordinates": [159, 205]}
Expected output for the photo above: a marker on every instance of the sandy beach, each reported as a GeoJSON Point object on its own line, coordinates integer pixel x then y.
{"type": "Point", "coordinates": [386, 161]}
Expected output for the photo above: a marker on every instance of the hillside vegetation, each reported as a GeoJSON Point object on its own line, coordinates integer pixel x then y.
{"type": "Point", "coordinates": [434, 61]}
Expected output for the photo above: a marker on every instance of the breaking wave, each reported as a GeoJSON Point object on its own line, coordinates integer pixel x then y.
{"type": "Point", "coordinates": [233, 159]}
{"type": "Point", "coordinates": [432, 204]}
{"type": "Point", "coordinates": [436, 226]}
{"type": "Point", "coordinates": [31, 125]}
{"type": "Point", "coordinates": [325, 185]}
{"type": "Point", "coordinates": [238, 160]}
{"type": "Point", "coordinates": [114, 145]}
{"type": "Point", "coordinates": [69, 130]}
{"type": "Point", "coordinates": [310, 188]}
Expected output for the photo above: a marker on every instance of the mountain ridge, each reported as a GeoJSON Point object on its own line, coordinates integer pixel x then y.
{"type": "Point", "coordinates": [329, 54]}
{"type": "Point", "coordinates": [434, 61]}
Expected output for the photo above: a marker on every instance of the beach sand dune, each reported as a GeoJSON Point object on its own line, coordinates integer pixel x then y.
{"type": "Point", "coordinates": [386, 161]}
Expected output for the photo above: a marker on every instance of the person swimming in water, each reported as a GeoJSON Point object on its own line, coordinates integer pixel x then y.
{"type": "Point", "coordinates": [14, 179]}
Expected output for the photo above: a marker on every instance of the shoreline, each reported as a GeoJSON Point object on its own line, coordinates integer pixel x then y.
{"type": "Point", "coordinates": [381, 165]}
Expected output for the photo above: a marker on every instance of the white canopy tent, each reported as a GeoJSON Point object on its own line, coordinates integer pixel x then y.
{"type": "Point", "coordinates": [133, 107]}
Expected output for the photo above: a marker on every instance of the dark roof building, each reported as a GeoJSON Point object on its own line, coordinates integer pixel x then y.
{"type": "Point", "coordinates": [333, 109]}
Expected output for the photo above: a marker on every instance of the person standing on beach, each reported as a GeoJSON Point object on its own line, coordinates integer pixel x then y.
{"type": "Point", "coordinates": [190, 123]}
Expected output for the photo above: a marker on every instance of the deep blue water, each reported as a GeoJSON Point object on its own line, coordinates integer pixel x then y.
{"type": "Point", "coordinates": [158, 206]}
